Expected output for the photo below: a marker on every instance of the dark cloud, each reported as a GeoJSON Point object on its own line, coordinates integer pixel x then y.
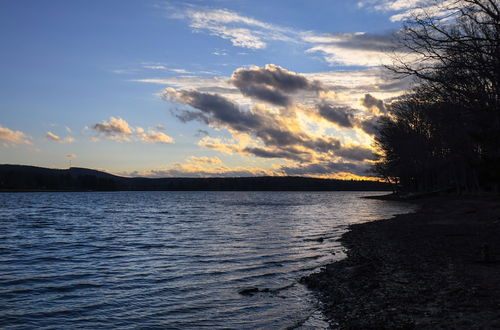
{"type": "Point", "coordinates": [342, 116]}
{"type": "Point", "coordinates": [288, 153]}
{"type": "Point", "coordinates": [369, 126]}
{"type": "Point", "coordinates": [187, 115]}
{"type": "Point", "coordinates": [369, 102]}
{"type": "Point", "coordinates": [215, 109]}
{"type": "Point", "coordinates": [271, 84]}
{"type": "Point", "coordinates": [202, 132]}
{"type": "Point", "coordinates": [326, 168]}
{"type": "Point", "coordinates": [279, 133]}
{"type": "Point", "coordinates": [266, 94]}
{"type": "Point", "coordinates": [365, 41]}
{"type": "Point", "coordinates": [356, 153]}
{"type": "Point", "coordinates": [396, 85]}
{"type": "Point", "coordinates": [323, 145]}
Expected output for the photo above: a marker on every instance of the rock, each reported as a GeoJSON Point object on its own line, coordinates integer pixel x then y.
{"type": "Point", "coordinates": [249, 291]}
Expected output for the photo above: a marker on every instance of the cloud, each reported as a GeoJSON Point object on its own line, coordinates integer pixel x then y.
{"type": "Point", "coordinates": [342, 116]}
{"type": "Point", "coordinates": [413, 8]}
{"type": "Point", "coordinates": [353, 49]}
{"type": "Point", "coordinates": [214, 109]}
{"type": "Point", "coordinates": [204, 160]}
{"type": "Point", "coordinates": [356, 153]}
{"type": "Point", "coordinates": [376, 106]}
{"type": "Point", "coordinates": [154, 137]}
{"type": "Point", "coordinates": [326, 168]}
{"type": "Point", "coordinates": [70, 156]}
{"type": "Point", "coordinates": [347, 86]}
{"type": "Point", "coordinates": [242, 31]}
{"type": "Point", "coordinates": [53, 137]}
{"type": "Point", "coordinates": [155, 67]}
{"type": "Point", "coordinates": [339, 170]}
{"type": "Point", "coordinates": [269, 127]}
{"type": "Point", "coordinates": [328, 117]}
{"type": "Point", "coordinates": [271, 83]}
{"type": "Point", "coordinates": [9, 137]}
{"type": "Point", "coordinates": [370, 125]}
{"type": "Point", "coordinates": [114, 125]}
{"type": "Point", "coordinates": [180, 70]}
{"type": "Point", "coordinates": [219, 53]}
{"type": "Point", "coordinates": [201, 167]}
{"type": "Point", "coordinates": [224, 146]}
{"type": "Point", "coordinates": [115, 128]}
{"type": "Point", "coordinates": [219, 85]}
{"type": "Point", "coordinates": [202, 132]}
{"type": "Point", "coordinates": [347, 117]}
{"type": "Point", "coordinates": [119, 130]}
{"type": "Point", "coordinates": [56, 138]}
{"type": "Point", "coordinates": [286, 153]}
{"type": "Point", "coordinates": [359, 49]}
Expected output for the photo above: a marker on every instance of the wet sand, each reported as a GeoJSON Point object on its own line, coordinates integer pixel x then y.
{"type": "Point", "coordinates": [437, 268]}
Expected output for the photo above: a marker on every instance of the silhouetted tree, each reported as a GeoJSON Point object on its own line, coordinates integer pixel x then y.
{"type": "Point", "coordinates": [446, 132]}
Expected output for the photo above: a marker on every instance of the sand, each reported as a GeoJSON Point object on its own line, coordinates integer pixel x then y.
{"type": "Point", "coordinates": [438, 268]}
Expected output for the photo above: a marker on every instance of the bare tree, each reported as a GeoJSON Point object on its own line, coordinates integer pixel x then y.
{"type": "Point", "coordinates": [451, 120]}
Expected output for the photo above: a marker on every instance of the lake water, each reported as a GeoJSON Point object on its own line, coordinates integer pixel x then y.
{"type": "Point", "coordinates": [170, 260]}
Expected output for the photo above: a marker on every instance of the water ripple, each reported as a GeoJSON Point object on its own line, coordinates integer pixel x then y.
{"type": "Point", "coordinates": [176, 260]}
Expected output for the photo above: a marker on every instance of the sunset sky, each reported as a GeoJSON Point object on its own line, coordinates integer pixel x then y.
{"type": "Point", "coordinates": [196, 88]}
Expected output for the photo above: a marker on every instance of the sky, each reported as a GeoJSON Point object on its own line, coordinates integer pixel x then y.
{"type": "Point", "coordinates": [197, 88]}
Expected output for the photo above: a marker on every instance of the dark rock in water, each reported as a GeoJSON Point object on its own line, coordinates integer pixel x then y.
{"type": "Point", "coordinates": [249, 291]}
{"type": "Point", "coordinates": [252, 291]}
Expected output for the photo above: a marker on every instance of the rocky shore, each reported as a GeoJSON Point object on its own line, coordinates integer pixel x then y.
{"type": "Point", "coordinates": [437, 268]}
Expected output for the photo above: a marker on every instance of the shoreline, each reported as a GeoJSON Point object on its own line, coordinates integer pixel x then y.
{"type": "Point", "coordinates": [438, 267]}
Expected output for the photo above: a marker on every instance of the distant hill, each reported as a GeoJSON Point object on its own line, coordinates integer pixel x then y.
{"type": "Point", "coordinates": [32, 178]}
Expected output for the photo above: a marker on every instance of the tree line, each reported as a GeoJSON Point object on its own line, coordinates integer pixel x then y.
{"type": "Point", "coordinates": [444, 133]}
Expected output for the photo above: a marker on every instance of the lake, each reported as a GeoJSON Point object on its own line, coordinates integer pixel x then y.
{"type": "Point", "coordinates": [171, 260]}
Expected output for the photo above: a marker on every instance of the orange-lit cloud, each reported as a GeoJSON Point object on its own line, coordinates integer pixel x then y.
{"type": "Point", "coordinates": [115, 129]}
{"type": "Point", "coordinates": [156, 137]}
{"type": "Point", "coordinates": [283, 127]}
{"type": "Point", "coordinates": [202, 167]}
{"type": "Point", "coordinates": [53, 137]}
{"type": "Point", "coordinates": [10, 137]}
{"type": "Point", "coordinates": [119, 130]}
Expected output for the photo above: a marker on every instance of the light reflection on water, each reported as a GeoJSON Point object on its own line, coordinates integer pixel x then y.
{"type": "Point", "coordinates": [170, 259]}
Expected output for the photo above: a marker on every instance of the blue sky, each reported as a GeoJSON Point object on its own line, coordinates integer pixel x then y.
{"type": "Point", "coordinates": [200, 88]}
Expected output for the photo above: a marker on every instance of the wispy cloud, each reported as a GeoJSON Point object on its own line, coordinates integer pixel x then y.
{"type": "Point", "coordinates": [53, 137]}
{"type": "Point", "coordinates": [242, 31]}
{"type": "Point", "coordinates": [205, 160]}
{"type": "Point", "coordinates": [10, 137]}
{"type": "Point", "coordinates": [405, 9]}
{"type": "Point", "coordinates": [348, 49]}
{"type": "Point", "coordinates": [353, 49]}
{"type": "Point", "coordinates": [155, 67]}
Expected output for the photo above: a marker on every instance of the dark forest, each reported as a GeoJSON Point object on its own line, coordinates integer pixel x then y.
{"type": "Point", "coordinates": [444, 133]}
